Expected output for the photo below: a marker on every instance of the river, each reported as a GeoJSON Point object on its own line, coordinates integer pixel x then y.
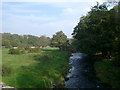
{"type": "Point", "coordinates": [81, 75]}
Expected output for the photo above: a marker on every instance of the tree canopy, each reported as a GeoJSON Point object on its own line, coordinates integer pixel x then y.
{"type": "Point", "coordinates": [99, 30]}
{"type": "Point", "coordinates": [59, 40]}
{"type": "Point", "coordinates": [15, 40]}
{"type": "Point", "coordinates": [44, 41]}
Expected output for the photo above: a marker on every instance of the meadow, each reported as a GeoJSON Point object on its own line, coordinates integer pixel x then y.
{"type": "Point", "coordinates": [35, 70]}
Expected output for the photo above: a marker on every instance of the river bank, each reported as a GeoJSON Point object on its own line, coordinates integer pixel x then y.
{"type": "Point", "coordinates": [108, 73]}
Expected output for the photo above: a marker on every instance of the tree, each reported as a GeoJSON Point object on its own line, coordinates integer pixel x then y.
{"type": "Point", "coordinates": [32, 40]}
{"type": "Point", "coordinates": [73, 45]}
{"type": "Point", "coordinates": [24, 41]}
{"type": "Point", "coordinates": [59, 40]}
{"type": "Point", "coordinates": [98, 31]}
{"type": "Point", "coordinates": [44, 41]}
{"type": "Point", "coordinates": [115, 19]}
{"type": "Point", "coordinates": [6, 43]}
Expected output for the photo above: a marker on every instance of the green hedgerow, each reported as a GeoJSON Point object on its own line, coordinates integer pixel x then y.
{"type": "Point", "coordinates": [16, 51]}
{"type": "Point", "coordinates": [33, 50]}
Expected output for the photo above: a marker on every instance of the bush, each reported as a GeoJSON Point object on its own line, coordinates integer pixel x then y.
{"type": "Point", "coordinates": [116, 61]}
{"type": "Point", "coordinates": [108, 73]}
{"type": "Point", "coordinates": [33, 50]}
{"type": "Point", "coordinates": [6, 70]}
{"type": "Point", "coordinates": [22, 51]}
{"type": "Point", "coordinates": [14, 51]}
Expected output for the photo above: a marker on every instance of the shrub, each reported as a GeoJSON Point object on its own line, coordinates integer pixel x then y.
{"type": "Point", "coordinates": [6, 70]}
{"type": "Point", "coordinates": [14, 51]}
{"type": "Point", "coordinates": [22, 51]}
{"type": "Point", "coordinates": [33, 50]}
{"type": "Point", "coordinates": [8, 46]}
{"type": "Point", "coordinates": [116, 61]}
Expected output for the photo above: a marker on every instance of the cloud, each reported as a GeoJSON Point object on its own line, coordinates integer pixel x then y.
{"type": "Point", "coordinates": [16, 10]}
{"type": "Point", "coordinates": [0, 17]}
{"type": "Point", "coordinates": [48, 29]}
{"type": "Point", "coordinates": [19, 11]}
{"type": "Point", "coordinates": [30, 17]}
{"type": "Point", "coordinates": [69, 11]}
{"type": "Point", "coordinates": [43, 18]}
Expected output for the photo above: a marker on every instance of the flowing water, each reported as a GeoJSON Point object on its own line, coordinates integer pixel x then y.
{"type": "Point", "coordinates": [81, 75]}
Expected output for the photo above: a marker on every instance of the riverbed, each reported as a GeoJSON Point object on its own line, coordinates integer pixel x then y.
{"type": "Point", "coordinates": [81, 74]}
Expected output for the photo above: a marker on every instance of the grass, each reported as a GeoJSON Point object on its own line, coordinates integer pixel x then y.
{"type": "Point", "coordinates": [0, 63]}
{"type": "Point", "coordinates": [35, 70]}
{"type": "Point", "coordinates": [108, 73]}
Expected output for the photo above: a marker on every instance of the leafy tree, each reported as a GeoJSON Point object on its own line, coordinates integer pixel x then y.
{"type": "Point", "coordinates": [32, 40]}
{"type": "Point", "coordinates": [44, 41]}
{"type": "Point", "coordinates": [115, 20]}
{"type": "Point", "coordinates": [6, 43]}
{"type": "Point", "coordinates": [98, 31]}
{"type": "Point", "coordinates": [10, 40]}
{"type": "Point", "coordinates": [73, 45]}
{"type": "Point", "coordinates": [14, 43]}
{"type": "Point", "coordinates": [24, 41]}
{"type": "Point", "coordinates": [59, 40]}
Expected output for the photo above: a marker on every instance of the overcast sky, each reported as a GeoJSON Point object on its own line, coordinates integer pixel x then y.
{"type": "Point", "coordinates": [43, 18]}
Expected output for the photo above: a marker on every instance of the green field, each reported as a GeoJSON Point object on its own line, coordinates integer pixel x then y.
{"type": "Point", "coordinates": [35, 70]}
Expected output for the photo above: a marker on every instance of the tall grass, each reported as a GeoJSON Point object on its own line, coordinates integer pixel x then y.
{"type": "Point", "coordinates": [36, 70]}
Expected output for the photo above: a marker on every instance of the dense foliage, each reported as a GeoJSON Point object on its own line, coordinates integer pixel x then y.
{"type": "Point", "coordinates": [99, 31]}
{"type": "Point", "coordinates": [14, 51]}
{"type": "Point", "coordinates": [33, 50]}
{"type": "Point", "coordinates": [98, 34]}
{"type": "Point", "coordinates": [60, 40]}
{"type": "Point", "coordinates": [29, 41]}
{"type": "Point", "coordinates": [24, 41]}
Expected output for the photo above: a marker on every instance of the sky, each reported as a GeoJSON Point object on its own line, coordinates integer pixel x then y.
{"type": "Point", "coordinates": [43, 17]}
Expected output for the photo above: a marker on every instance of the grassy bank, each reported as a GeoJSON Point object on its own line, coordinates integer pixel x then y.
{"type": "Point", "coordinates": [108, 73]}
{"type": "Point", "coordinates": [35, 70]}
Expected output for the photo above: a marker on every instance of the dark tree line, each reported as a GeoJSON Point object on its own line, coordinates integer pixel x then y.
{"type": "Point", "coordinates": [99, 31]}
